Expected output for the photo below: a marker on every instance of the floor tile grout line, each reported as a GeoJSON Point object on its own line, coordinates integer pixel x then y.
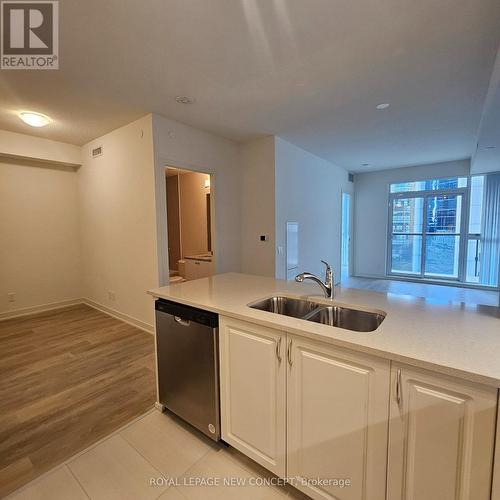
{"type": "Point", "coordinates": [232, 459]}
{"type": "Point", "coordinates": [142, 456]}
{"type": "Point", "coordinates": [156, 468]}
{"type": "Point", "coordinates": [196, 462]}
{"type": "Point", "coordinates": [138, 453]}
{"type": "Point", "coordinates": [183, 495]}
{"type": "Point", "coordinates": [78, 481]}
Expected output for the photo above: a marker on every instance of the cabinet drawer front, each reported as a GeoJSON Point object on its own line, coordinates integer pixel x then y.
{"type": "Point", "coordinates": [337, 421]}
{"type": "Point", "coordinates": [441, 437]}
{"type": "Point", "coordinates": [253, 392]}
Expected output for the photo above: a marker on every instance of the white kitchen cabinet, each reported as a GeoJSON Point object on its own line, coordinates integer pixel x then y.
{"type": "Point", "coordinates": [441, 437]}
{"type": "Point", "coordinates": [337, 415]}
{"type": "Point", "coordinates": [253, 391]}
{"type": "Point", "coordinates": [323, 415]}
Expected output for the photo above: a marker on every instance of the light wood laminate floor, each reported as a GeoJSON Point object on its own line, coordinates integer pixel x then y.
{"type": "Point", "coordinates": [67, 379]}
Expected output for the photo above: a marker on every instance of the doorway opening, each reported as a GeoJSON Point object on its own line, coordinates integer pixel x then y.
{"type": "Point", "coordinates": [345, 250]}
{"type": "Point", "coordinates": [189, 225]}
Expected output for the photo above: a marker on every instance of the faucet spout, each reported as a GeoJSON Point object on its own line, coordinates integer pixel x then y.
{"type": "Point", "coordinates": [327, 286]}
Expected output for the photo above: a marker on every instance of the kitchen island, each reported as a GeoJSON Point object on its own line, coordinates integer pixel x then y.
{"type": "Point", "coordinates": [452, 338]}
{"type": "Point", "coordinates": [408, 410]}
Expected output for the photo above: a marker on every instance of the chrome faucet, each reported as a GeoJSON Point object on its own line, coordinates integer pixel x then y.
{"type": "Point", "coordinates": [328, 286]}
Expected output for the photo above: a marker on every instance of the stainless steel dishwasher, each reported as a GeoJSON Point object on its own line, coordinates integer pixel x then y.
{"type": "Point", "coordinates": [187, 342]}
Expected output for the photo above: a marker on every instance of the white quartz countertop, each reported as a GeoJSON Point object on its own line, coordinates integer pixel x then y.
{"type": "Point", "coordinates": [451, 338]}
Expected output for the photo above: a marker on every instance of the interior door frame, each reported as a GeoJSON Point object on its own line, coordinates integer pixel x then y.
{"type": "Point", "coordinates": [161, 163]}
{"type": "Point", "coordinates": [463, 236]}
{"type": "Point", "coordinates": [350, 223]}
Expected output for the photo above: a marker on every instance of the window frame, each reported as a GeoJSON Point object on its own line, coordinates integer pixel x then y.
{"type": "Point", "coordinates": [463, 235]}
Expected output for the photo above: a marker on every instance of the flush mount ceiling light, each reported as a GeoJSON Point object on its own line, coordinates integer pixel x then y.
{"type": "Point", "coordinates": [383, 105]}
{"type": "Point", "coordinates": [184, 99]}
{"type": "Point", "coordinates": [34, 119]}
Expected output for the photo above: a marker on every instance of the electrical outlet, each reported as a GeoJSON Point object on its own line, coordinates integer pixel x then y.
{"type": "Point", "coordinates": [11, 296]}
{"type": "Point", "coordinates": [111, 295]}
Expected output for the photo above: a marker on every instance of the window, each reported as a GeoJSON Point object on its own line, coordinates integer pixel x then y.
{"type": "Point", "coordinates": [430, 185]}
{"type": "Point", "coordinates": [474, 235]}
{"type": "Point", "coordinates": [407, 224]}
{"type": "Point", "coordinates": [435, 229]}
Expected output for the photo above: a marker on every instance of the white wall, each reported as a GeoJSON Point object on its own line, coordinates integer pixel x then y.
{"type": "Point", "coordinates": [39, 240]}
{"type": "Point", "coordinates": [371, 210]}
{"type": "Point", "coordinates": [117, 216]}
{"type": "Point", "coordinates": [181, 146]}
{"type": "Point", "coordinates": [104, 220]}
{"type": "Point", "coordinates": [309, 191]}
{"type": "Point", "coordinates": [258, 206]}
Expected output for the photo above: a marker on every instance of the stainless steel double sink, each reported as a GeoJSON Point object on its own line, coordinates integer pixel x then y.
{"type": "Point", "coordinates": [332, 315]}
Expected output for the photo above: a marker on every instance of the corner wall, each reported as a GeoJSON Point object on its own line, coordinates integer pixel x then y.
{"type": "Point", "coordinates": [371, 210]}
{"type": "Point", "coordinates": [39, 249]}
{"type": "Point", "coordinates": [117, 221]}
{"type": "Point", "coordinates": [309, 191]}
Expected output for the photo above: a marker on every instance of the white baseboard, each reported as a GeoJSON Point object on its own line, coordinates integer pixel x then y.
{"type": "Point", "coordinates": [29, 311]}
{"type": "Point", "coordinates": [119, 315]}
{"type": "Point", "coordinates": [159, 407]}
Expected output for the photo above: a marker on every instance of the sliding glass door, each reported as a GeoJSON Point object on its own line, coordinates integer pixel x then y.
{"type": "Point", "coordinates": [443, 223]}
{"type": "Point", "coordinates": [407, 235]}
{"type": "Point", "coordinates": [426, 234]}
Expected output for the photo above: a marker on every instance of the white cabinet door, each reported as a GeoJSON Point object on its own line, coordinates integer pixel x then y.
{"type": "Point", "coordinates": [337, 421]}
{"type": "Point", "coordinates": [253, 391]}
{"type": "Point", "coordinates": [441, 437]}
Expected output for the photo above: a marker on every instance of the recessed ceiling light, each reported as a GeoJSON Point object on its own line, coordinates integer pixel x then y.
{"type": "Point", "coordinates": [383, 105]}
{"type": "Point", "coordinates": [184, 99]}
{"type": "Point", "coordinates": [34, 119]}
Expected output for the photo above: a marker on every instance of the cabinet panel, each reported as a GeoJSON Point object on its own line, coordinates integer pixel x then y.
{"type": "Point", "coordinates": [441, 437]}
{"type": "Point", "coordinates": [337, 421]}
{"type": "Point", "coordinates": [253, 393]}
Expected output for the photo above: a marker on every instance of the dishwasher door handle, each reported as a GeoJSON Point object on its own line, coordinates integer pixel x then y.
{"type": "Point", "coordinates": [183, 322]}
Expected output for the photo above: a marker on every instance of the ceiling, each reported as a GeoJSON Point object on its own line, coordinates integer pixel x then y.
{"type": "Point", "coordinates": [309, 71]}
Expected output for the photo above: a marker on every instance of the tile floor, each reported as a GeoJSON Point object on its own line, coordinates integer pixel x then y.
{"type": "Point", "coordinates": [156, 447]}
